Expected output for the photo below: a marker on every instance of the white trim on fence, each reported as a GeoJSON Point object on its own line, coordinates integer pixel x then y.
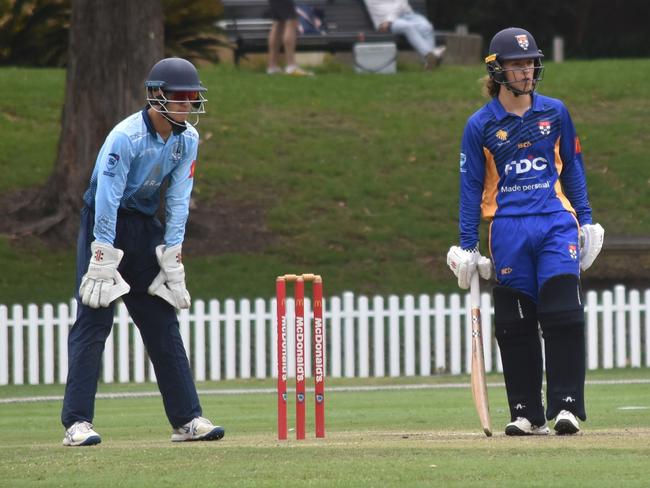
{"type": "Point", "coordinates": [400, 336]}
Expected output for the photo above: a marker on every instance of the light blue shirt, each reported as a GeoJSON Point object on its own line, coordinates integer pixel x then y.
{"type": "Point", "coordinates": [130, 168]}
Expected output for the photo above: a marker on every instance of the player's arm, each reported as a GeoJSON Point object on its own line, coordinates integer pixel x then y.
{"type": "Point", "coordinates": [102, 283]}
{"type": "Point", "coordinates": [574, 185]}
{"type": "Point", "coordinates": [463, 260]}
{"type": "Point", "coordinates": [170, 282]}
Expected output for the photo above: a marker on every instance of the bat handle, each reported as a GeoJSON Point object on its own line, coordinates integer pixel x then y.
{"type": "Point", "coordinates": [475, 290]}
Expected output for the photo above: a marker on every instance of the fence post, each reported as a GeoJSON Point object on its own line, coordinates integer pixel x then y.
{"type": "Point", "coordinates": [48, 344]}
{"type": "Point", "coordinates": [199, 340]}
{"type": "Point", "coordinates": [260, 338]}
{"type": "Point", "coordinates": [4, 346]}
{"type": "Point", "coordinates": [379, 342]}
{"type": "Point", "coordinates": [393, 335]}
{"type": "Point", "coordinates": [364, 346]}
{"type": "Point", "coordinates": [348, 327]}
{"type": "Point", "coordinates": [425, 334]}
{"type": "Point", "coordinates": [409, 335]}
{"type": "Point", "coordinates": [17, 315]}
{"type": "Point", "coordinates": [215, 341]}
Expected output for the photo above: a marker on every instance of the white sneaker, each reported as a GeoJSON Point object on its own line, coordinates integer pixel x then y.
{"type": "Point", "coordinates": [439, 51]}
{"type": "Point", "coordinates": [566, 423]}
{"type": "Point", "coordinates": [81, 434]}
{"type": "Point", "coordinates": [198, 429]}
{"type": "Point", "coordinates": [522, 426]}
{"type": "Point", "coordinates": [294, 70]}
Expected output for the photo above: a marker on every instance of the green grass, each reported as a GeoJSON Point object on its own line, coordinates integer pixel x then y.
{"type": "Point", "coordinates": [374, 438]}
{"type": "Point", "coordinates": [356, 175]}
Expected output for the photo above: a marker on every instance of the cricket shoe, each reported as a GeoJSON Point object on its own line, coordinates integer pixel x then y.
{"type": "Point", "coordinates": [81, 434]}
{"type": "Point", "coordinates": [566, 423]}
{"type": "Point", "coordinates": [198, 429]}
{"type": "Point", "coordinates": [522, 426]}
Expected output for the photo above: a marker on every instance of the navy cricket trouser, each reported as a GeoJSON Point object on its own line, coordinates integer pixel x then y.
{"type": "Point", "coordinates": [137, 235]}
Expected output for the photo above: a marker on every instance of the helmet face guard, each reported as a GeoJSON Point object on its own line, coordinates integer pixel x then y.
{"type": "Point", "coordinates": [175, 80]}
{"type": "Point", "coordinates": [509, 45]}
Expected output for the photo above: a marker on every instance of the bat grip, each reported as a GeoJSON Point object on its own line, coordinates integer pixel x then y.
{"type": "Point", "coordinates": [475, 290]}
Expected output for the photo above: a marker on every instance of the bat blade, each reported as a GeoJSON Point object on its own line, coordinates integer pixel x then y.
{"type": "Point", "coordinates": [478, 381]}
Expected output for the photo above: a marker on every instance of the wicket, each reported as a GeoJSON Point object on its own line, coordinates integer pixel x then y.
{"type": "Point", "coordinates": [318, 352]}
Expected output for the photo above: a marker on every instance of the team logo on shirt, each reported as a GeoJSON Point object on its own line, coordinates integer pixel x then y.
{"type": "Point", "coordinates": [502, 135]}
{"type": "Point", "coordinates": [573, 251]}
{"type": "Point", "coordinates": [113, 159]}
{"type": "Point", "coordinates": [177, 150]}
{"type": "Point", "coordinates": [522, 40]}
{"type": "Point", "coordinates": [545, 127]}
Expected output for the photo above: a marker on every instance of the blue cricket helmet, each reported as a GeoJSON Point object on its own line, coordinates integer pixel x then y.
{"type": "Point", "coordinates": [174, 74]}
{"type": "Point", "coordinates": [511, 44]}
{"type": "Point", "coordinates": [173, 79]}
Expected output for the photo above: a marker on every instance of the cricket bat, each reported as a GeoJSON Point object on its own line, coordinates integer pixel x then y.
{"type": "Point", "coordinates": [479, 384]}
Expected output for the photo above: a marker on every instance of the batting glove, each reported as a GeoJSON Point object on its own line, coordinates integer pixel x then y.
{"type": "Point", "coordinates": [463, 263]}
{"type": "Point", "coordinates": [102, 283]}
{"type": "Point", "coordinates": [591, 242]}
{"type": "Point", "coordinates": [170, 282]}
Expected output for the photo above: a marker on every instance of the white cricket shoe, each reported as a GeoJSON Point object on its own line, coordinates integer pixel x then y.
{"type": "Point", "coordinates": [198, 429]}
{"type": "Point", "coordinates": [81, 434]}
{"type": "Point", "coordinates": [566, 423]}
{"type": "Point", "coordinates": [522, 426]}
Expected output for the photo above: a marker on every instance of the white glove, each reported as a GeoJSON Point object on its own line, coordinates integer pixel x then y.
{"type": "Point", "coordinates": [102, 283]}
{"type": "Point", "coordinates": [464, 263]}
{"type": "Point", "coordinates": [591, 242]}
{"type": "Point", "coordinates": [170, 282]}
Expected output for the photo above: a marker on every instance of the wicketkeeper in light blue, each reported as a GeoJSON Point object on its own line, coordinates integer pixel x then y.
{"type": "Point", "coordinates": [124, 251]}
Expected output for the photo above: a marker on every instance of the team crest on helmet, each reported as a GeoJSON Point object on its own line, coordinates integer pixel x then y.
{"type": "Point", "coordinates": [502, 135]}
{"type": "Point", "coordinates": [522, 40]}
{"type": "Point", "coordinates": [545, 127]}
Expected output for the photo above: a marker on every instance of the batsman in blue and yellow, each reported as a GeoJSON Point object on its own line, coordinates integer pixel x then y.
{"type": "Point", "coordinates": [521, 169]}
{"type": "Point", "coordinates": [124, 251]}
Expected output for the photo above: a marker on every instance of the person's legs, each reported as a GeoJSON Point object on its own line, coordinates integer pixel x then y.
{"type": "Point", "coordinates": [561, 316]}
{"type": "Point", "coordinates": [289, 41]}
{"type": "Point", "coordinates": [275, 43]}
{"type": "Point", "coordinates": [85, 341]}
{"type": "Point", "coordinates": [411, 27]}
{"type": "Point", "coordinates": [158, 323]}
{"type": "Point", "coordinates": [515, 318]}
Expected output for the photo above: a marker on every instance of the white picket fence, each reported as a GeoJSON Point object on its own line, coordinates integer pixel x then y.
{"type": "Point", "coordinates": [375, 336]}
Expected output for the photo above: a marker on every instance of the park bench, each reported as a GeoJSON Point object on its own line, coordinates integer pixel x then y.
{"type": "Point", "coordinates": [246, 24]}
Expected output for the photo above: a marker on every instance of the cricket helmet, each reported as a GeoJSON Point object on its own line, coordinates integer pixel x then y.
{"type": "Point", "coordinates": [175, 79]}
{"type": "Point", "coordinates": [511, 44]}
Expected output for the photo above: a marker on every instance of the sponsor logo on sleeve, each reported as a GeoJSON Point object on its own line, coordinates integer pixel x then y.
{"type": "Point", "coordinates": [463, 160]}
{"type": "Point", "coordinates": [578, 147]}
{"type": "Point", "coordinates": [192, 169]}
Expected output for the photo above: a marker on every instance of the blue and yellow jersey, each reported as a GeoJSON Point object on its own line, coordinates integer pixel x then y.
{"type": "Point", "coordinates": [130, 169]}
{"type": "Point", "coordinates": [513, 166]}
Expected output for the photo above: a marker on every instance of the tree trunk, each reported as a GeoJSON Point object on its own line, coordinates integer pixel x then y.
{"type": "Point", "coordinates": [111, 49]}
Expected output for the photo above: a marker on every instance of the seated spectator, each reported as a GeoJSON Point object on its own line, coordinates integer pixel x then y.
{"type": "Point", "coordinates": [397, 17]}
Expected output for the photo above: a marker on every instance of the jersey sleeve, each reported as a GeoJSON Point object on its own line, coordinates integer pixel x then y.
{"type": "Point", "coordinates": [177, 199]}
{"type": "Point", "coordinates": [472, 178]}
{"type": "Point", "coordinates": [573, 179]}
{"type": "Point", "coordinates": [113, 164]}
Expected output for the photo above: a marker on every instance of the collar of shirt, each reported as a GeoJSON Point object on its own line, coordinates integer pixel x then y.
{"type": "Point", "coordinates": [147, 121]}
{"type": "Point", "coordinates": [500, 113]}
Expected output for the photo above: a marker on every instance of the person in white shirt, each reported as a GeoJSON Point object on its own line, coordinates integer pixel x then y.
{"type": "Point", "coordinates": [397, 17]}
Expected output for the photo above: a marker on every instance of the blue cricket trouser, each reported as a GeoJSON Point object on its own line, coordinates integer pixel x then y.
{"type": "Point", "coordinates": [530, 249]}
{"type": "Point", "coordinates": [137, 235]}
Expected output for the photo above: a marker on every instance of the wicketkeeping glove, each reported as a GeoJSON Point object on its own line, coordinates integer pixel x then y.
{"type": "Point", "coordinates": [170, 282]}
{"type": "Point", "coordinates": [102, 283]}
{"type": "Point", "coordinates": [464, 263]}
{"type": "Point", "coordinates": [591, 242]}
